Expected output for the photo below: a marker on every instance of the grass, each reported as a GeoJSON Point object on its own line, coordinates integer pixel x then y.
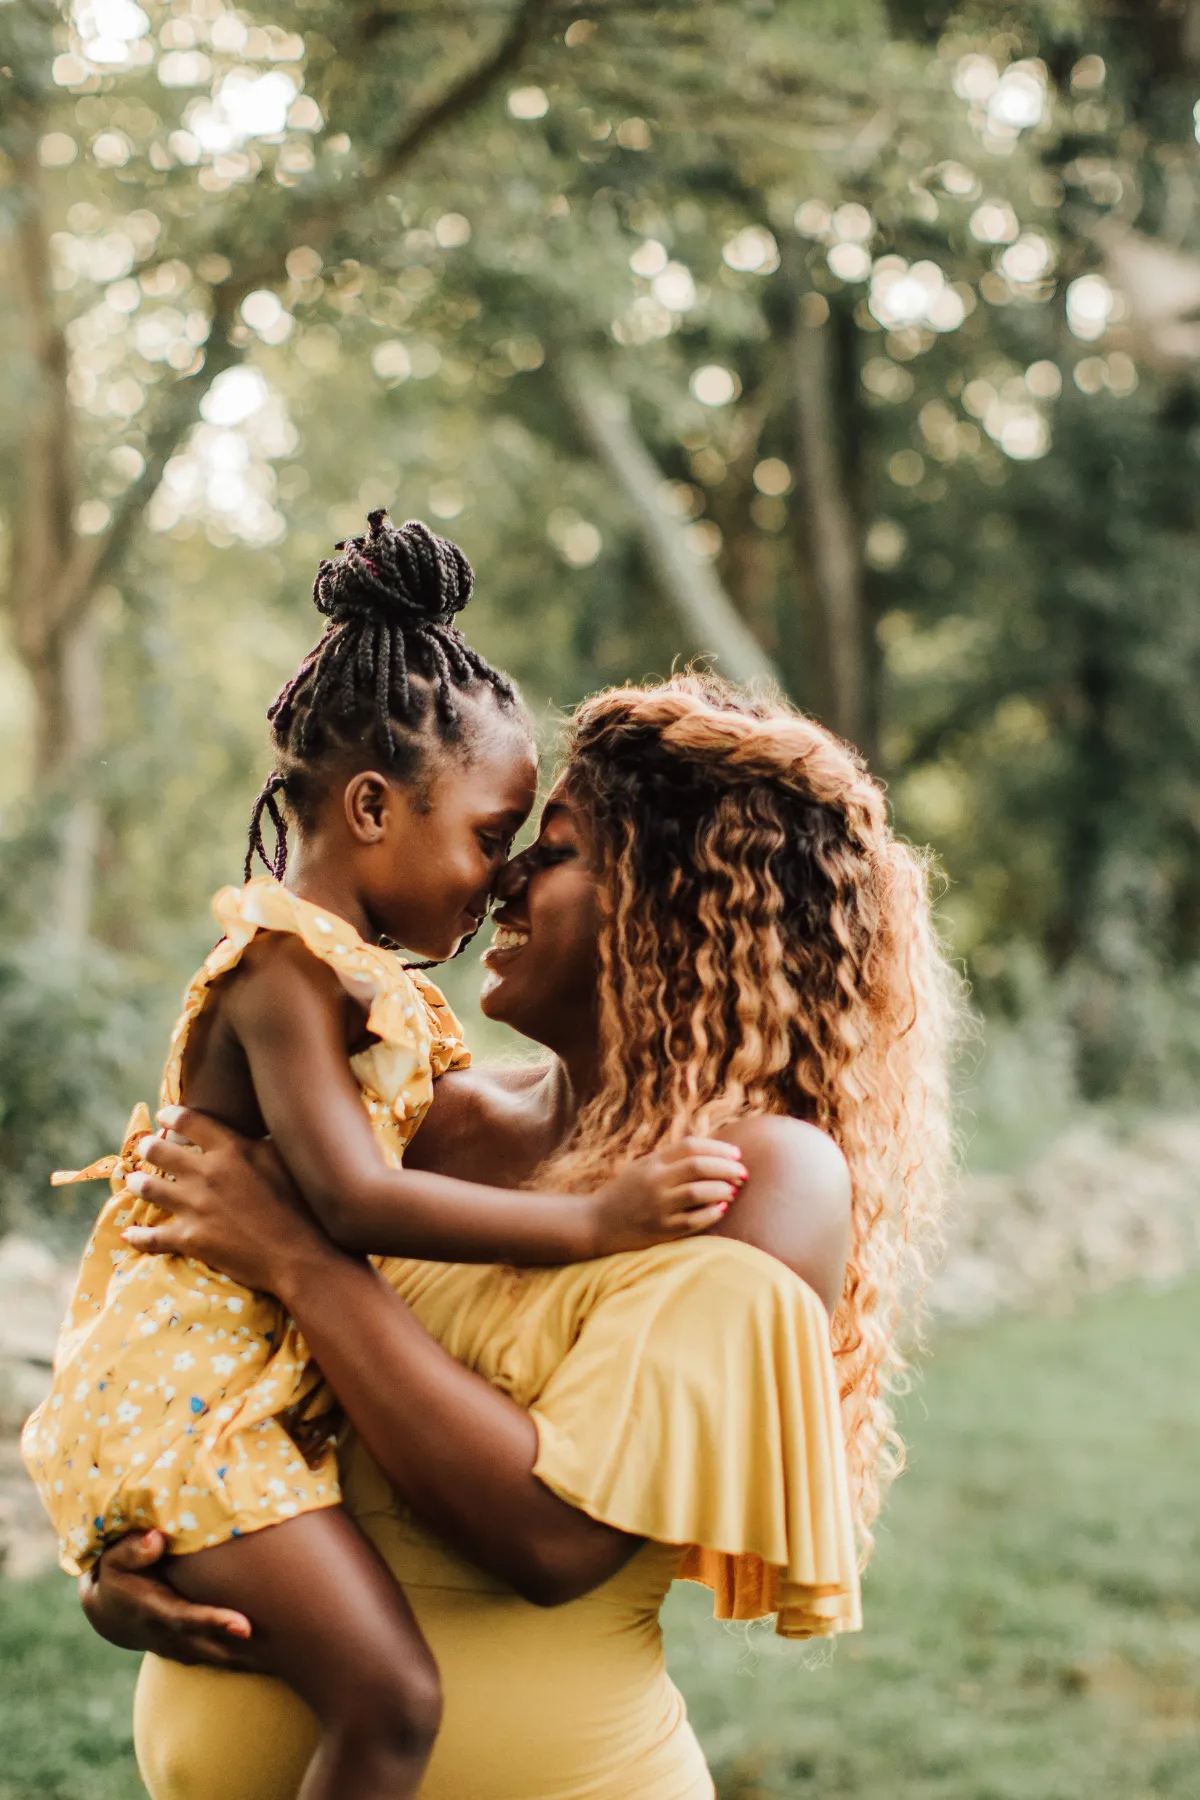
{"type": "Point", "coordinates": [65, 1700]}
{"type": "Point", "coordinates": [1033, 1611]}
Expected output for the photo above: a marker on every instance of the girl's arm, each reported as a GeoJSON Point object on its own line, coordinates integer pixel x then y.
{"type": "Point", "coordinates": [287, 1010]}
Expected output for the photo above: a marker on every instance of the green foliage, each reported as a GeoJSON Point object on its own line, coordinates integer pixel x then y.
{"type": "Point", "coordinates": [1022, 496]}
{"type": "Point", "coordinates": [1030, 1612]}
{"type": "Point", "coordinates": [75, 1025]}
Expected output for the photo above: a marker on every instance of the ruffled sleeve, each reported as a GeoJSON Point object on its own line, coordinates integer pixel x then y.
{"type": "Point", "coordinates": [419, 1036]}
{"type": "Point", "coordinates": [699, 1406]}
{"type": "Point", "coordinates": [448, 1049]}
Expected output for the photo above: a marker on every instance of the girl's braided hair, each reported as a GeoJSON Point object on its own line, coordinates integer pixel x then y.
{"type": "Point", "coordinates": [392, 663]}
{"type": "Point", "coordinates": [767, 945]}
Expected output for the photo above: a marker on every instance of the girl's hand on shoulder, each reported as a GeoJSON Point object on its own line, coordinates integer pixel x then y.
{"type": "Point", "coordinates": [231, 1201]}
{"type": "Point", "coordinates": [136, 1608]}
{"type": "Point", "coordinates": [672, 1193]}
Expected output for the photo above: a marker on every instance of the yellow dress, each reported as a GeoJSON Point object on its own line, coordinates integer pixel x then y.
{"type": "Point", "coordinates": [174, 1388]}
{"type": "Point", "coordinates": [685, 1394]}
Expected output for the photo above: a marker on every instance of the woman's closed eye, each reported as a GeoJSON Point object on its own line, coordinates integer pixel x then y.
{"type": "Point", "coordinates": [547, 856]}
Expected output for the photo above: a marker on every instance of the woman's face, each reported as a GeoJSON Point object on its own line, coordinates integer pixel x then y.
{"type": "Point", "coordinates": [543, 966]}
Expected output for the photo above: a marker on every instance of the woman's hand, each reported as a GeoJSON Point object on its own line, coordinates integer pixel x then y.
{"type": "Point", "coordinates": [232, 1202]}
{"type": "Point", "coordinates": [137, 1609]}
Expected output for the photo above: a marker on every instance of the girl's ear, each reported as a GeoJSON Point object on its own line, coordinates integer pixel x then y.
{"type": "Point", "coordinates": [368, 801]}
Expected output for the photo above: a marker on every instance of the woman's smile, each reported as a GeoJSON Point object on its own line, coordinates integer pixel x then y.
{"type": "Point", "coordinates": [508, 939]}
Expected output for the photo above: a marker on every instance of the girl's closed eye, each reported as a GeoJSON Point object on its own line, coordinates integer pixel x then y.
{"type": "Point", "coordinates": [496, 845]}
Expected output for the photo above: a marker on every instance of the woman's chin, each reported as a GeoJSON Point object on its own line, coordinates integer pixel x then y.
{"type": "Point", "coordinates": [500, 999]}
{"type": "Point", "coordinates": [491, 995]}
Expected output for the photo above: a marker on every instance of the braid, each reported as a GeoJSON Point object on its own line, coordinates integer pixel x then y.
{"type": "Point", "coordinates": [267, 803]}
{"type": "Point", "coordinates": [387, 674]}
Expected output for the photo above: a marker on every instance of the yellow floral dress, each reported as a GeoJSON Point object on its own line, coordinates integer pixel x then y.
{"type": "Point", "coordinates": [180, 1399]}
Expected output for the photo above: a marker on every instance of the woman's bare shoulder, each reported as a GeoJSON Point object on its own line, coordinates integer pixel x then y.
{"type": "Point", "coordinates": [796, 1203]}
{"type": "Point", "coordinates": [794, 1146]}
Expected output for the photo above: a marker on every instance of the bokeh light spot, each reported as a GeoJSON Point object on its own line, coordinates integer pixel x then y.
{"type": "Point", "coordinates": [714, 385]}
{"type": "Point", "coordinates": [528, 103]}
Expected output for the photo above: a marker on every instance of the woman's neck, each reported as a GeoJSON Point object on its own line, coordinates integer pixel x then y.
{"type": "Point", "coordinates": [576, 1076]}
{"type": "Point", "coordinates": [559, 1102]}
{"type": "Point", "coordinates": [550, 1105]}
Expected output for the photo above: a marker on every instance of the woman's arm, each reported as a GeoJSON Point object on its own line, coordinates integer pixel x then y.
{"type": "Point", "coordinates": [459, 1451]}
{"type": "Point", "coordinates": [287, 1010]}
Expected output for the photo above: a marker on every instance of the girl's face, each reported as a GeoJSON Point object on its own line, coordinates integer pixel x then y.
{"type": "Point", "coordinates": [543, 965]}
{"type": "Point", "coordinates": [428, 878]}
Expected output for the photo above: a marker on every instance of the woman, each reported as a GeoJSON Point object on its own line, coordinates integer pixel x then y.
{"type": "Point", "coordinates": [715, 931]}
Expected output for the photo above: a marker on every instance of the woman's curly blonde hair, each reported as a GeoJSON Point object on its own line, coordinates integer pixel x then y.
{"type": "Point", "coordinates": [767, 945]}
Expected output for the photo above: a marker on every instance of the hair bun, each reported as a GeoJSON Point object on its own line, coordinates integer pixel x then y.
{"type": "Point", "coordinates": [405, 575]}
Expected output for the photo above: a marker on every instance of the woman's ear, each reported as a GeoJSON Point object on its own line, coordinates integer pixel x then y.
{"type": "Point", "coordinates": [368, 801]}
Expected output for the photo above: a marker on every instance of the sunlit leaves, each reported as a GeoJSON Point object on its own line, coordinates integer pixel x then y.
{"type": "Point", "coordinates": [995, 222]}
{"type": "Point", "coordinates": [1004, 104]}
{"type": "Point", "coordinates": [752, 251]}
{"type": "Point", "coordinates": [904, 294]}
{"type": "Point", "coordinates": [1090, 303]}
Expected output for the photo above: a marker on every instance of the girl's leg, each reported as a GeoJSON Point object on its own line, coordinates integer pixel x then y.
{"type": "Point", "coordinates": [330, 1621]}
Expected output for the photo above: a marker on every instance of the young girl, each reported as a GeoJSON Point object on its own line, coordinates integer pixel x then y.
{"type": "Point", "coordinates": [186, 1403]}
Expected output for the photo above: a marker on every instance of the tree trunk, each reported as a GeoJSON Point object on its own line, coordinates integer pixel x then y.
{"type": "Point", "coordinates": [689, 584]}
{"type": "Point", "coordinates": [49, 610]}
{"type": "Point", "coordinates": [82, 684]}
{"type": "Point", "coordinates": [830, 529]}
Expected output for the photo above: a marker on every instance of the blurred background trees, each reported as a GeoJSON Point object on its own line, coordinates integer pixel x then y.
{"type": "Point", "coordinates": [853, 343]}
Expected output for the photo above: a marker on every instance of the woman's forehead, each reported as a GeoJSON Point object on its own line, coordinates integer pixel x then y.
{"type": "Point", "coordinates": [560, 811]}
